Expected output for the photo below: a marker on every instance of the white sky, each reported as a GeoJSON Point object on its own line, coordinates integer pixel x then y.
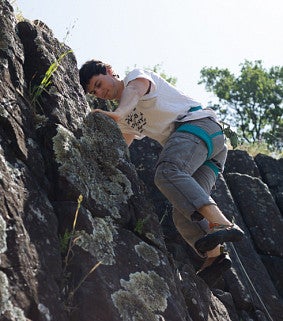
{"type": "Point", "coordinates": [181, 35]}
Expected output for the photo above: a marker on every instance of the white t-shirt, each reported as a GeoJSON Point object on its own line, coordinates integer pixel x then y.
{"type": "Point", "coordinates": [156, 112]}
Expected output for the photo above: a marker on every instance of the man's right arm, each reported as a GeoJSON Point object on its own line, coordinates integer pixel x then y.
{"type": "Point", "coordinates": [129, 99]}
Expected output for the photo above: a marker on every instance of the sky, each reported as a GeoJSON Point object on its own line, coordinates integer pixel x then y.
{"type": "Point", "coordinates": [182, 36]}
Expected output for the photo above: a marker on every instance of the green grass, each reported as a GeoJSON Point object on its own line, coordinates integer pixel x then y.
{"type": "Point", "coordinates": [36, 91]}
{"type": "Point", "coordinates": [67, 242]}
{"type": "Point", "coordinates": [254, 149]}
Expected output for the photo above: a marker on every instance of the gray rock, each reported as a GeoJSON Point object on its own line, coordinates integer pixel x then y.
{"type": "Point", "coordinates": [121, 258]}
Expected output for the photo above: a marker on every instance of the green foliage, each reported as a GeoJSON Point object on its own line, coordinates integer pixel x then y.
{"type": "Point", "coordinates": [229, 133]}
{"type": "Point", "coordinates": [18, 13]}
{"type": "Point", "coordinates": [170, 79]}
{"type": "Point", "coordinates": [140, 225]}
{"type": "Point", "coordinates": [157, 69]}
{"type": "Point", "coordinates": [256, 148]}
{"type": "Point", "coordinates": [251, 101]}
{"type": "Point", "coordinates": [64, 241]}
{"type": "Point", "coordinates": [67, 242]}
{"type": "Point", "coordinates": [36, 91]}
{"type": "Point", "coordinates": [70, 236]}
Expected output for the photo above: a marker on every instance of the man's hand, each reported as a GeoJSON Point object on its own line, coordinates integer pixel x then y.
{"type": "Point", "coordinates": [112, 114]}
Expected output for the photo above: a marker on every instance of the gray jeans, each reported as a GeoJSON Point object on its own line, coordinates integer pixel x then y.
{"type": "Point", "coordinates": [184, 177]}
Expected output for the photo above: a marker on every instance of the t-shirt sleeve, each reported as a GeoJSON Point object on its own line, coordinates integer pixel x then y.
{"type": "Point", "coordinates": [138, 73]}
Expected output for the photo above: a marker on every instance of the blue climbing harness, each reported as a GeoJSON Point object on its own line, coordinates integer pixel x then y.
{"type": "Point", "coordinates": [204, 136]}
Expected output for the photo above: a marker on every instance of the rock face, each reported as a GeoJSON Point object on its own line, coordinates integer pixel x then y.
{"type": "Point", "coordinates": [120, 257]}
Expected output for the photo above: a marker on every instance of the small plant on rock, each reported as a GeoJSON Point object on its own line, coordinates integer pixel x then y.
{"type": "Point", "coordinates": [36, 91]}
{"type": "Point", "coordinates": [67, 242]}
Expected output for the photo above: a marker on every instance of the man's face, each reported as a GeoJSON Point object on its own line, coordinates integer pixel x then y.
{"type": "Point", "coordinates": [103, 86]}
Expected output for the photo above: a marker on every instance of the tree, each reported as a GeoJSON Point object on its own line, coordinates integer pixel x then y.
{"type": "Point", "coordinates": [157, 69]}
{"type": "Point", "coordinates": [252, 101]}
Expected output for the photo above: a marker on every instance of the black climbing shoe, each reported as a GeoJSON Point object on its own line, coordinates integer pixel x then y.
{"type": "Point", "coordinates": [211, 273]}
{"type": "Point", "coordinates": [218, 235]}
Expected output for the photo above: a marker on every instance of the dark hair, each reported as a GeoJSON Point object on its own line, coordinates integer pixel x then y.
{"type": "Point", "coordinates": [91, 68]}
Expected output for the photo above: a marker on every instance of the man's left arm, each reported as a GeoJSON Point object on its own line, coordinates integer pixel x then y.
{"type": "Point", "coordinates": [128, 138]}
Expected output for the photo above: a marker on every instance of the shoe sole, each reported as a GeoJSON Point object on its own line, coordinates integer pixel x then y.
{"type": "Point", "coordinates": [212, 273]}
{"type": "Point", "coordinates": [210, 241]}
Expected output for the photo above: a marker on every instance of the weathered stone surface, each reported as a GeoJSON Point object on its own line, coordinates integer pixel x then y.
{"type": "Point", "coordinates": [272, 174]}
{"type": "Point", "coordinates": [126, 259]}
{"type": "Point", "coordinates": [249, 279]}
{"type": "Point", "coordinates": [144, 155]}
{"type": "Point", "coordinates": [30, 263]}
{"type": "Point", "coordinates": [259, 212]}
{"type": "Point", "coordinates": [275, 267]}
{"type": "Point", "coordinates": [249, 276]}
{"type": "Point", "coordinates": [241, 162]}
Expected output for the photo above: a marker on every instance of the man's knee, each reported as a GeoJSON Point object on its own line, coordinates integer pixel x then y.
{"type": "Point", "coordinates": [163, 173]}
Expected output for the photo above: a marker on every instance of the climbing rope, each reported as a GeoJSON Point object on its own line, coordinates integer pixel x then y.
{"type": "Point", "coordinates": [250, 282]}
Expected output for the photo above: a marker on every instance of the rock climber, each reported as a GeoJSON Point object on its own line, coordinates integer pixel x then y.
{"type": "Point", "coordinates": [193, 154]}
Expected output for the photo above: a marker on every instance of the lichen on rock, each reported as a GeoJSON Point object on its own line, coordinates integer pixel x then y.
{"type": "Point", "coordinates": [144, 296]}
{"type": "Point", "coordinates": [100, 243]}
{"type": "Point", "coordinates": [3, 110]}
{"type": "Point", "coordinates": [6, 306]}
{"type": "Point", "coordinates": [99, 180]}
{"type": "Point", "coordinates": [44, 311]}
{"type": "Point", "coordinates": [3, 244]}
{"type": "Point", "coordinates": [148, 253]}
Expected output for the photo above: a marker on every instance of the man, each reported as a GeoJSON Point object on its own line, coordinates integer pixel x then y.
{"type": "Point", "coordinates": [193, 154]}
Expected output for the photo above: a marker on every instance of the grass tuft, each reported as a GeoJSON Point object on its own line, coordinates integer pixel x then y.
{"type": "Point", "coordinates": [36, 91]}
{"type": "Point", "coordinates": [67, 242]}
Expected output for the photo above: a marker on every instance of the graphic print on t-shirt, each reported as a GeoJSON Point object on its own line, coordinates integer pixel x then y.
{"type": "Point", "coordinates": [136, 120]}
